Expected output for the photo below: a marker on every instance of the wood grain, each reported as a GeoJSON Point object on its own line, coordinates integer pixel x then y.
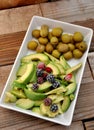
{"type": "Point", "coordinates": [9, 47]}
{"type": "Point", "coordinates": [89, 125]}
{"type": "Point", "coordinates": [91, 62]}
{"type": "Point", "coordinates": [17, 19]}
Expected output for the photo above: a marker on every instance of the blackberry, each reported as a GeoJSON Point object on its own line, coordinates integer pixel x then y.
{"type": "Point", "coordinates": [47, 101]}
{"type": "Point", "coordinates": [56, 84]}
{"type": "Point", "coordinates": [50, 78]}
{"type": "Point", "coordinates": [40, 80]}
{"type": "Point", "coordinates": [35, 86]}
{"type": "Point", "coordinates": [39, 72]}
{"type": "Point", "coordinates": [54, 108]}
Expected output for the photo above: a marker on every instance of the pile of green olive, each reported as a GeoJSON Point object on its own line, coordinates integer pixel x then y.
{"type": "Point", "coordinates": [57, 43]}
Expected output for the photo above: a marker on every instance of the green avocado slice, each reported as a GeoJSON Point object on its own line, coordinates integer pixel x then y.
{"type": "Point", "coordinates": [27, 75]}
{"type": "Point", "coordinates": [70, 88]}
{"type": "Point", "coordinates": [34, 95]}
{"type": "Point", "coordinates": [25, 103]}
{"type": "Point", "coordinates": [37, 56]}
{"type": "Point", "coordinates": [66, 104]}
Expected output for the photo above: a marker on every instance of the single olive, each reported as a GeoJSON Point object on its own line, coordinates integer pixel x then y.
{"type": "Point", "coordinates": [32, 45]}
{"type": "Point", "coordinates": [43, 41]}
{"type": "Point", "coordinates": [44, 31]}
{"type": "Point", "coordinates": [40, 48]}
{"type": "Point", "coordinates": [36, 33]}
{"type": "Point", "coordinates": [57, 31]}
{"type": "Point", "coordinates": [71, 46]}
{"type": "Point", "coordinates": [68, 55]}
{"type": "Point", "coordinates": [56, 53]}
{"type": "Point", "coordinates": [66, 38]}
{"type": "Point", "coordinates": [77, 53]}
{"type": "Point", "coordinates": [50, 35]}
{"type": "Point", "coordinates": [49, 48]}
{"type": "Point", "coordinates": [62, 47]}
{"type": "Point", "coordinates": [82, 46]}
{"type": "Point", "coordinates": [78, 37]}
{"type": "Point", "coordinates": [54, 40]}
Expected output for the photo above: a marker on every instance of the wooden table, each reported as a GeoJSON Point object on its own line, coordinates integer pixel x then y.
{"type": "Point", "coordinates": [13, 26]}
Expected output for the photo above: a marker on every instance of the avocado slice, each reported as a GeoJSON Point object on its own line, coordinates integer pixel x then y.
{"type": "Point", "coordinates": [54, 68]}
{"type": "Point", "coordinates": [34, 76]}
{"type": "Point", "coordinates": [65, 104]}
{"type": "Point", "coordinates": [72, 96]}
{"type": "Point", "coordinates": [44, 87]}
{"type": "Point", "coordinates": [34, 95]}
{"type": "Point", "coordinates": [58, 90]}
{"type": "Point", "coordinates": [37, 56]}
{"type": "Point", "coordinates": [74, 68]}
{"type": "Point", "coordinates": [18, 85]}
{"type": "Point", "coordinates": [64, 63]}
{"type": "Point", "coordinates": [60, 67]}
{"type": "Point", "coordinates": [18, 93]}
{"type": "Point", "coordinates": [24, 103]}
{"type": "Point", "coordinates": [56, 98]}
{"type": "Point", "coordinates": [38, 103]}
{"type": "Point", "coordinates": [27, 75]}
{"type": "Point", "coordinates": [70, 88]}
{"type": "Point", "coordinates": [21, 70]}
{"type": "Point", "coordinates": [10, 97]}
{"type": "Point", "coordinates": [36, 110]}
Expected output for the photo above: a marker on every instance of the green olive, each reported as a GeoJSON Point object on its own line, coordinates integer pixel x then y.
{"type": "Point", "coordinates": [57, 31]}
{"type": "Point", "coordinates": [49, 48]}
{"type": "Point", "coordinates": [62, 47]}
{"type": "Point", "coordinates": [71, 46]}
{"type": "Point", "coordinates": [77, 53]}
{"type": "Point", "coordinates": [66, 38]}
{"type": "Point", "coordinates": [36, 33]}
{"type": "Point", "coordinates": [54, 40]}
{"type": "Point", "coordinates": [32, 45]}
{"type": "Point", "coordinates": [56, 53]}
{"type": "Point", "coordinates": [43, 41]}
{"type": "Point", "coordinates": [44, 31]}
{"type": "Point", "coordinates": [82, 46]}
{"type": "Point", "coordinates": [40, 48]}
{"type": "Point", "coordinates": [68, 55]}
{"type": "Point", "coordinates": [78, 37]}
{"type": "Point", "coordinates": [50, 35]}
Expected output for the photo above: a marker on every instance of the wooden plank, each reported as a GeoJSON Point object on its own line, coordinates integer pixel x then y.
{"type": "Point", "coordinates": [85, 103]}
{"type": "Point", "coordinates": [69, 11]}
{"type": "Point", "coordinates": [89, 125]}
{"type": "Point", "coordinates": [17, 19]}
{"type": "Point", "coordinates": [91, 62]}
{"type": "Point", "coordinates": [87, 76]}
{"type": "Point", "coordinates": [25, 122]}
{"type": "Point", "coordinates": [9, 47]}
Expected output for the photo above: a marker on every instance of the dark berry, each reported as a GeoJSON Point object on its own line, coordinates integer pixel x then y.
{"type": "Point", "coordinates": [39, 72]}
{"type": "Point", "coordinates": [48, 69]}
{"type": "Point", "coordinates": [50, 78]}
{"type": "Point", "coordinates": [41, 65]}
{"type": "Point", "coordinates": [53, 108]}
{"type": "Point", "coordinates": [44, 76]}
{"type": "Point", "coordinates": [56, 84]}
{"type": "Point", "coordinates": [40, 80]}
{"type": "Point", "coordinates": [35, 86]}
{"type": "Point", "coordinates": [47, 101]}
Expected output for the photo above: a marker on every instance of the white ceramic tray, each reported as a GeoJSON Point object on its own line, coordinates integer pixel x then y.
{"type": "Point", "coordinates": [36, 22]}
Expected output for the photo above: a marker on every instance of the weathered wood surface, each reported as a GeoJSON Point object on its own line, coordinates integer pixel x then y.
{"type": "Point", "coordinates": [13, 25]}
{"type": "Point", "coordinates": [89, 125]}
